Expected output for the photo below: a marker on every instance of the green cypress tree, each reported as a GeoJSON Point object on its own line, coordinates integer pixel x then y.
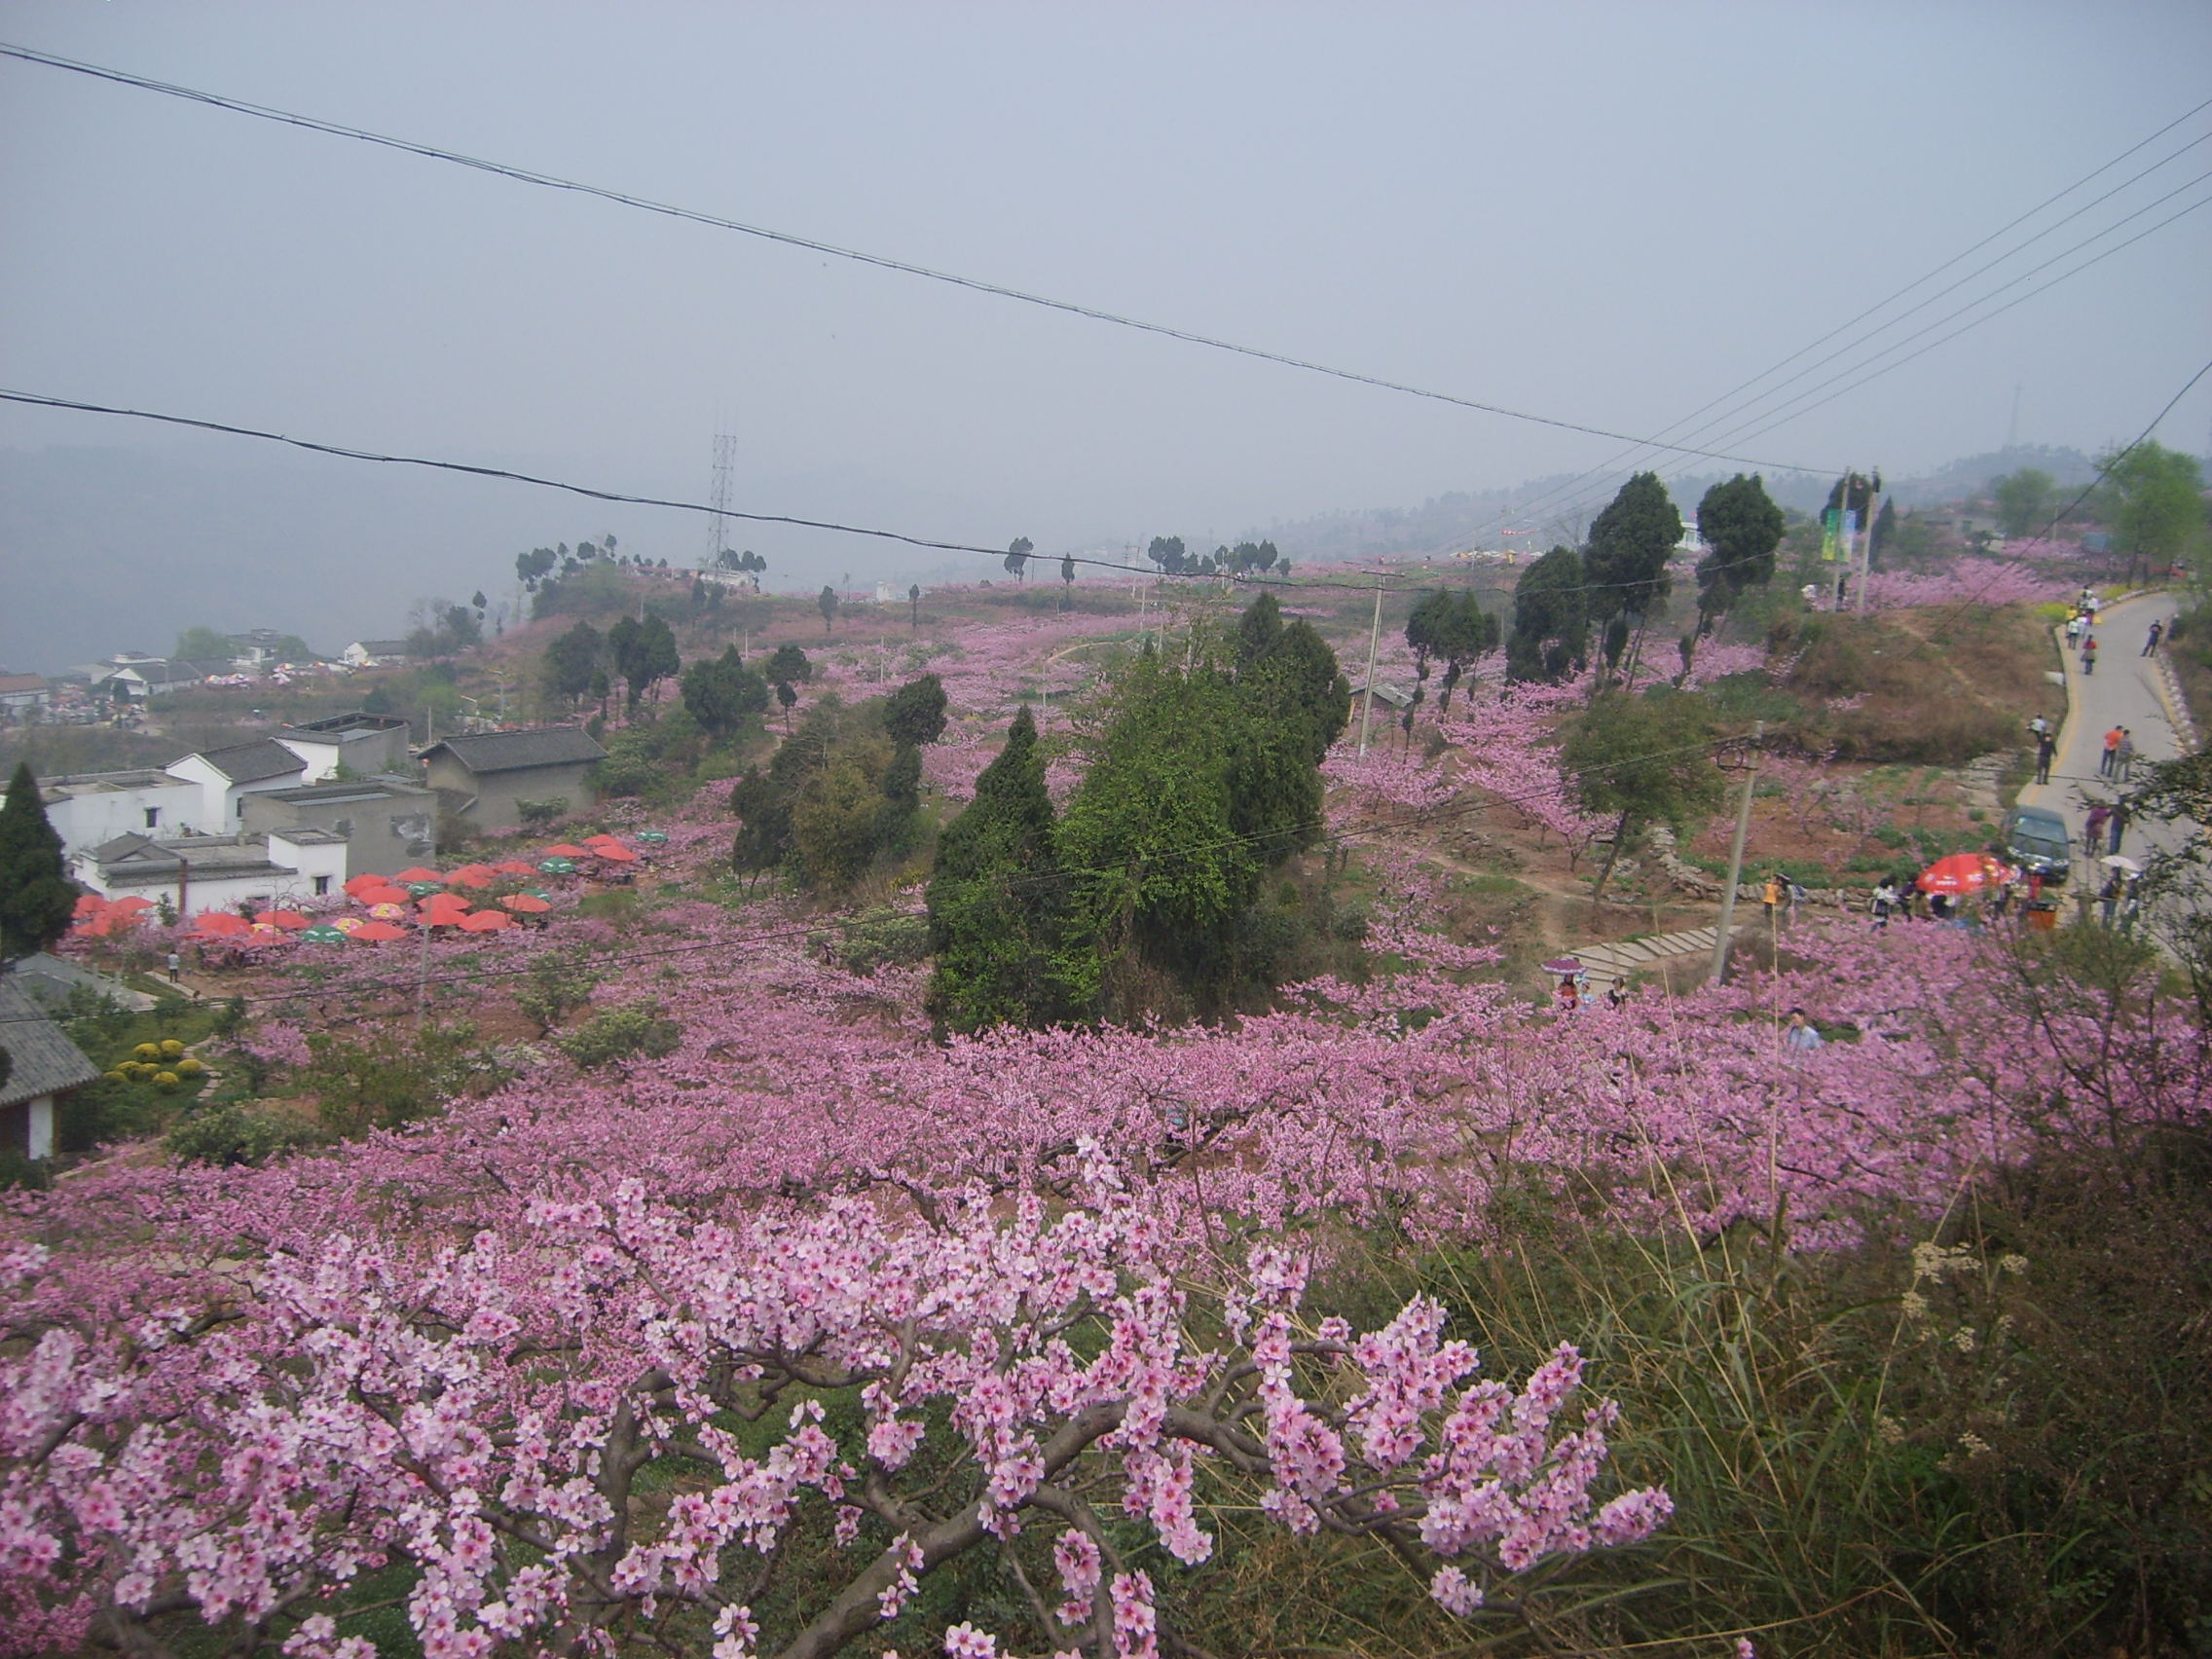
{"type": "Point", "coordinates": [998, 903]}
{"type": "Point", "coordinates": [36, 895]}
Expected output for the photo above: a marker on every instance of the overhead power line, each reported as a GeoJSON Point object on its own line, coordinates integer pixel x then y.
{"type": "Point", "coordinates": [2098, 258]}
{"type": "Point", "coordinates": [345, 452]}
{"type": "Point", "coordinates": [881, 262]}
{"type": "Point", "coordinates": [1613, 466]}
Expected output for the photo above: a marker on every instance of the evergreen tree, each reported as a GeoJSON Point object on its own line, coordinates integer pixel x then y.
{"type": "Point", "coordinates": [37, 898]}
{"type": "Point", "coordinates": [721, 692]}
{"type": "Point", "coordinates": [1464, 634]}
{"type": "Point", "coordinates": [572, 659]}
{"type": "Point", "coordinates": [1885, 532]}
{"type": "Point", "coordinates": [1551, 623]}
{"type": "Point", "coordinates": [998, 903]}
{"type": "Point", "coordinates": [914, 714]}
{"type": "Point", "coordinates": [1744, 527]}
{"type": "Point", "coordinates": [1630, 544]}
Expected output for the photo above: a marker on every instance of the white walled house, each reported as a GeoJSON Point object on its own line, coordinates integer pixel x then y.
{"type": "Point", "coordinates": [225, 774]}
{"type": "Point", "coordinates": [43, 1066]}
{"type": "Point", "coordinates": [370, 653]}
{"type": "Point", "coordinates": [88, 809]}
{"type": "Point", "coordinates": [218, 872]}
{"type": "Point", "coordinates": [365, 744]}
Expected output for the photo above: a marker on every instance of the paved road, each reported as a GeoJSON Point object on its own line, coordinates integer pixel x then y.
{"type": "Point", "coordinates": [2120, 692]}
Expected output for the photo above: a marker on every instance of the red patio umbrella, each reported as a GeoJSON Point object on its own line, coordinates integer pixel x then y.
{"type": "Point", "coordinates": [418, 874]}
{"type": "Point", "coordinates": [290, 919]}
{"type": "Point", "coordinates": [91, 905]}
{"type": "Point", "coordinates": [487, 921]}
{"type": "Point", "coordinates": [618, 852]}
{"type": "Point", "coordinates": [565, 851]}
{"type": "Point", "coordinates": [384, 894]}
{"type": "Point", "coordinates": [514, 867]}
{"type": "Point", "coordinates": [133, 904]}
{"type": "Point", "coordinates": [442, 908]}
{"type": "Point", "coordinates": [222, 924]}
{"type": "Point", "coordinates": [358, 885]}
{"type": "Point", "coordinates": [375, 932]}
{"type": "Point", "coordinates": [526, 904]}
{"type": "Point", "coordinates": [471, 875]}
{"type": "Point", "coordinates": [1963, 872]}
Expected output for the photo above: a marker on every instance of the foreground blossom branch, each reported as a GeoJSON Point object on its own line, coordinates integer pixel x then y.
{"type": "Point", "coordinates": [546, 1426]}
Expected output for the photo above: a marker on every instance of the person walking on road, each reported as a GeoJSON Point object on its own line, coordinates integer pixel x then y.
{"type": "Point", "coordinates": [2117, 819]}
{"type": "Point", "coordinates": [2074, 626]}
{"type": "Point", "coordinates": [2158, 633]}
{"type": "Point", "coordinates": [2124, 757]}
{"type": "Point", "coordinates": [2093, 829]}
{"type": "Point", "coordinates": [2046, 745]}
{"type": "Point", "coordinates": [2090, 655]}
{"type": "Point", "coordinates": [2105, 761]}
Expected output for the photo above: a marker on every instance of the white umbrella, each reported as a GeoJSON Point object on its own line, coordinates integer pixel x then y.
{"type": "Point", "coordinates": [2120, 861]}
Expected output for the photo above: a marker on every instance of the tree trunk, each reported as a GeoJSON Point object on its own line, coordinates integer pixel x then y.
{"type": "Point", "coordinates": [1613, 852]}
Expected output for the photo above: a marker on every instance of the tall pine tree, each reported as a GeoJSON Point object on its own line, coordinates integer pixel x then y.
{"type": "Point", "coordinates": [36, 895]}
{"type": "Point", "coordinates": [998, 903]}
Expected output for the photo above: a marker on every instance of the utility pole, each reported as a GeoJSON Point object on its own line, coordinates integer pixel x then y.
{"type": "Point", "coordinates": [1867, 530]}
{"type": "Point", "coordinates": [1736, 852]}
{"type": "Point", "coordinates": [422, 972]}
{"type": "Point", "coordinates": [1374, 637]}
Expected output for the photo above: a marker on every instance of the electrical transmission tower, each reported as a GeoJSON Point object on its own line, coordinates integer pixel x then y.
{"type": "Point", "coordinates": [718, 522]}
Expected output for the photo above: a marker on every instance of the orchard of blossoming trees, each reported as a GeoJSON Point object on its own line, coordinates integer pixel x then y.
{"type": "Point", "coordinates": [817, 1332]}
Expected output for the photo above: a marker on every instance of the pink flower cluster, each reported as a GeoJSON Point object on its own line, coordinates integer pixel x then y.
{"type": "Point", "coordinates": [1968, 581]}
{"type": "Point", "coordinates": [483, 1408]}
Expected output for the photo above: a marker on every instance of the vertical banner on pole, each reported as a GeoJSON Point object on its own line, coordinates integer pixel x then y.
{"type": "Point", "coordinates": [1832, 522]}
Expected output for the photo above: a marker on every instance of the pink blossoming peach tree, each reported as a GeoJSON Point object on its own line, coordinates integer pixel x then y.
{"type": "Point", "coordinates": [607, 1421]}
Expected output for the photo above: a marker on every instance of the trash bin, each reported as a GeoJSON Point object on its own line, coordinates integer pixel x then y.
{"type": "Point", "coordinates": [2044, 919]}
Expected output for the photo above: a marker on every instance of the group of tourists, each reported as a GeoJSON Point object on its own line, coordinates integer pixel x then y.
{"type": "Point", "coordinates": [2081, 629]}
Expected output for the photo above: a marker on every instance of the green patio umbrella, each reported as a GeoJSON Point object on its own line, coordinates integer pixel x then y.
{"type": "Point", "coordinates": [324, 934]}
{"type": "Point", "coordinates": [653, 837]}
{"type": "Point", "coordinates": [558, 866]}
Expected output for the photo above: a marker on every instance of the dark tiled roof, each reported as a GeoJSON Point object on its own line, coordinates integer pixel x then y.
{"type": "Point", "coordinates": [513, 751]}
{"type": "Point", "coordinates": [250, 762]}
{"type": "Point", "coordinates": [357, 789]}
{"type": "Point", "coordinates": [45, 1060]}
{"type": "Point", "coordinates": [332, 728]}
{"type": "Point", "coordinates": [22, 682]}
{"type": "Point", "coordinates": [128, 843]}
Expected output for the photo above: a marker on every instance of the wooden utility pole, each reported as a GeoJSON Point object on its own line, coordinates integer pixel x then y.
{"type": "Point", "coordinates": [1374, 638]}
{"type": "Point", "coordinates": [1867, 548]}
{"type": "Point", "coordinates": [1736, 852]}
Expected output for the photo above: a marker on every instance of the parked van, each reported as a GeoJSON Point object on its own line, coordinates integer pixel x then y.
{"type": "Point", "coordinates": [2036, 838]}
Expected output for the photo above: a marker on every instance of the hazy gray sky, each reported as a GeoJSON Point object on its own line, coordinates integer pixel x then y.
{"type": "Point", "coordinates": [1605, 212]}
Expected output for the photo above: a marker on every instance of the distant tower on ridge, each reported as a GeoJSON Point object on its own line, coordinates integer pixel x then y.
{"type": "Point", "coordinates": [717, 521]}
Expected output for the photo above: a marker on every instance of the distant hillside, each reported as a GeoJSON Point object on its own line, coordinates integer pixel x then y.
{"type": "Point", "coordinates": [1464, 519]}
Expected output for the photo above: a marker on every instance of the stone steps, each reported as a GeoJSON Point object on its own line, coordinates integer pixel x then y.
{"type": "Point", "coordinates": [1607, 965]}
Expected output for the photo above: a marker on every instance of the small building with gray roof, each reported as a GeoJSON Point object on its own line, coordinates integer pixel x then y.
{"type": "Point", "coordinates": [485, 778]}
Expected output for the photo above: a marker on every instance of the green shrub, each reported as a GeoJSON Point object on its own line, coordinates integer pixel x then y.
{"type": "Point", "coordinates": [620, 1033]}
{"type": "Point", "coordinates": [876, 937]}
{"type": "Point", "coordinates": [233, 1133]}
